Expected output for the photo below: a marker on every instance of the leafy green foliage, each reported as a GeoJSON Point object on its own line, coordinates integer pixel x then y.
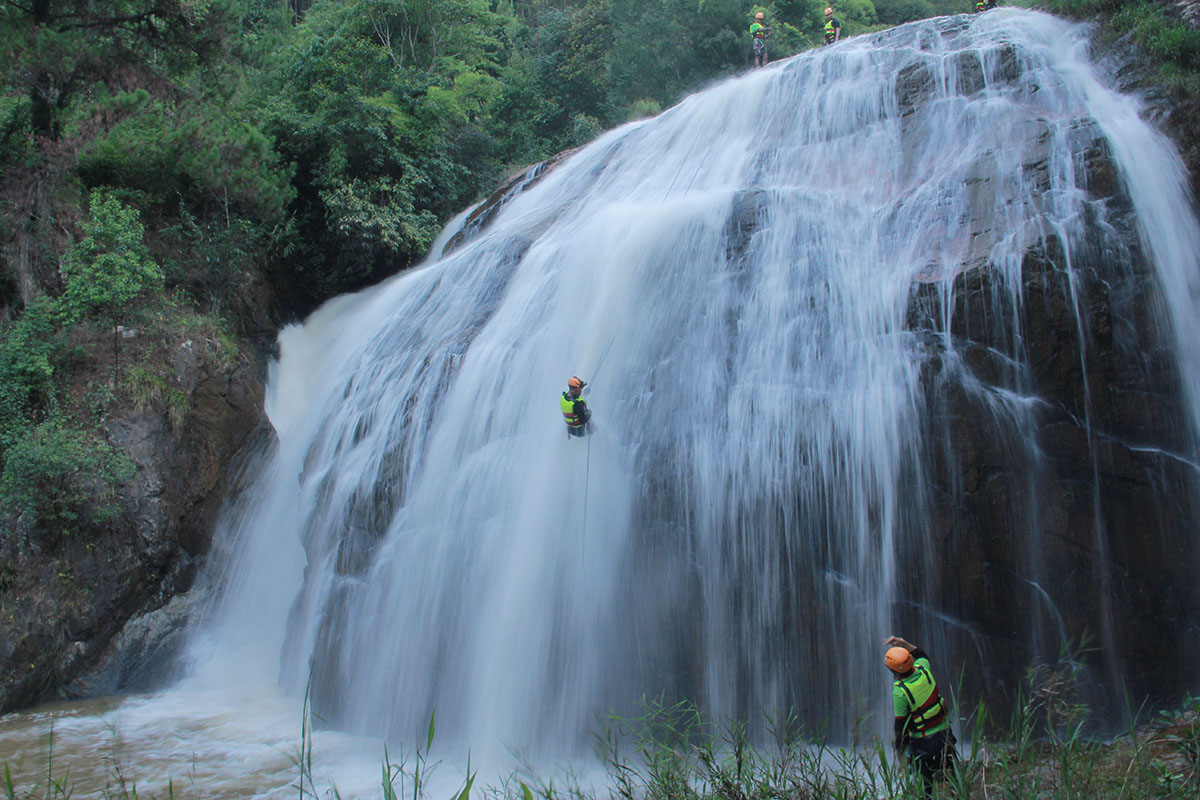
{"type": "Point", "coordinates": [165, 151]}
{"type": "Point", "coordinates": [110, 265]}
{"type": "Point", "coordinates": [663, 49]}
{"type": "Point", "coordinates": [28, 350]}
{"type": "Point", "coordinates": [58, 46]}
{"type": "Point", "coordinates": [54, 473]}
{"type": "Point", "coordinates": [1173, 43]}
{"type": "Point", "coordinates": [384, 108]}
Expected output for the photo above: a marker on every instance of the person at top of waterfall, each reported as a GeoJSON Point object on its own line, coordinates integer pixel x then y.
{"type": "Point", "coordinates": [833, 28]}
{"type": "Point", "coordinates": [922, 727]}
{"type": "Point", "coordinates": [758, 37]}
{"type": "Point", "coordinates": [985, 5]}
{"type": "Point", "coordinates": [574, 408]}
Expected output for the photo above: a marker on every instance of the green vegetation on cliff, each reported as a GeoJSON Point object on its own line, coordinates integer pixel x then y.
{"type": "Point", "coordinates": [1153, 24]}
{"type": "Point", "coordinates": [247, 157]}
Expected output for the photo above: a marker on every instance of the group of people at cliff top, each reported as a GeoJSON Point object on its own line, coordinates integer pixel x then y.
{"type": "Point", "coordinates": [833, 30]}
{"type": "Point", "coordinates": [759, 33]}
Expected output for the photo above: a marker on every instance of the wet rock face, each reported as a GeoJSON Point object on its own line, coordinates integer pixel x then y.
{"type": "Point", "coordinates": [1061, 470]}
{"type": "Point", "coordinates": [96, 615]}
{"type": "Point", "coordinates": [1189, 11]}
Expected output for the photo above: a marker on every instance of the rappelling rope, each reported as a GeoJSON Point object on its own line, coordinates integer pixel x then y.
{"type": "Point", "coordinates": [603, 356]}
{"type": "Point", "coordinates": [587, 473]}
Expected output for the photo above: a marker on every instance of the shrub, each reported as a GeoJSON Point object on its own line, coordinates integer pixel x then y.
{"type": "Point", "coordinates": [28, 350]}
{"type": "Point", "coordinates": [56, 476]}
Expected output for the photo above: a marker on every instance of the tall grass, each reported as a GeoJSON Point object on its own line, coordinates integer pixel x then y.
{"type": "Point", "coordinates": [671, 751]}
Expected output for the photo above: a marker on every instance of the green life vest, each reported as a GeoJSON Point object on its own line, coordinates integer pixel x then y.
{"type": "Point", "coordinates": [758, 30]}
{"type": "Point", "coordinates": [573, 419]}
{"type": "Point", "coordinates": [830, 35]}
{"type": "Point", "coordinates": [916, 697]}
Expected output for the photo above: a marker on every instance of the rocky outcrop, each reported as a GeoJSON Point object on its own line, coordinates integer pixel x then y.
{"type": "Point", "coordinates": [1062, 416]}
{"type": "Point", "coordinates": [485, 212]}
{"type": "Point", "coordinates": [101, 611]}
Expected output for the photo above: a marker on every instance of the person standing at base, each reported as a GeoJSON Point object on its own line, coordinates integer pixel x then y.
{"type": "Point", "coordinates": [758, 36]}
{"type": "Point", "coordinates": [574, 408]}
{"type": "Point", "coordinates": [833, 28]}
{"type": "Point", "coordinates": [922, 727]}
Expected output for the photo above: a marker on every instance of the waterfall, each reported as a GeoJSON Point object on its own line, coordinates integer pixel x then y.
{"type": "Point", "coordinates": [751, 516]}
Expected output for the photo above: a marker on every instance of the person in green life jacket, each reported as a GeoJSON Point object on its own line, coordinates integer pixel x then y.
{"type": "Point", "coordinates": [574, 408]}
{"type": "Point", "coordinates": [922, 726]}
{"type": "Point", "coordinates": [985, 5]}
{"type": "Point", "coordinates": [758, 36]}
{"type": "Point", "coordinates": [833, 28]}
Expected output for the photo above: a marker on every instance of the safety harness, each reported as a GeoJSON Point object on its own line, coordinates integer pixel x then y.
{"type": "Point", "coordinates": [574, 419]}
{"type": "Point", "coordinates": [830, 33]}
{"type": "Point", "coordinates": [930, 712]}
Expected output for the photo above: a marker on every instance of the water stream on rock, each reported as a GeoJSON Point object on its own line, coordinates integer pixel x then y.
{"type": "Point", "coordinates": [733, 279]}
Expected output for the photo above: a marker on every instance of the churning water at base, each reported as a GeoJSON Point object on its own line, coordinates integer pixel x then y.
{"type": "Point", "coordinates": [732, 278]}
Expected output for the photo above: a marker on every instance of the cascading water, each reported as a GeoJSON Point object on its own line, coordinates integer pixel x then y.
{"type": "Point", "coordinates": [735, 279]}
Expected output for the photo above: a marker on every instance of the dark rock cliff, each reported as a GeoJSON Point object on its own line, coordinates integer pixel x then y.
{"type": "Point", "coordinates": [1104, 594]}
{"type": "Point", "coordinates": [102, 612]}
{"type": "Point", "coordinates": [1110, 570]}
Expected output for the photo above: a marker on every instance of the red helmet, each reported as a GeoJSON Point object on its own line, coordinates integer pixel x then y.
{"type": "Point", "coordinates": [898, 660]}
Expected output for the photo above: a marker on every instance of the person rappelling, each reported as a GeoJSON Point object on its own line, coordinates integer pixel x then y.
{"type": "Point", "coordinates": [574, 408]}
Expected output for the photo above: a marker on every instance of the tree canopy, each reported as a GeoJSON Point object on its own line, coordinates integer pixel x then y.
{"type": "Point", "coordinates": [158, 152]}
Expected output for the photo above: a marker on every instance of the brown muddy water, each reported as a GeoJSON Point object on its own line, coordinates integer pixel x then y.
{"type": "Point", "coordinates": [181, 743]}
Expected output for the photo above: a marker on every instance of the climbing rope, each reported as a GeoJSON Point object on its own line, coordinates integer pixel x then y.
{"type": "Point", "coordinates": [587, 477]}
{"type": "Point", "coordinates": [603, 356]}
{"type": "Point", "coordinates": [587, 474]}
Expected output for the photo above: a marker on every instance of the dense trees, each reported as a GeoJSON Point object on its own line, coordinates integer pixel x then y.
{"type": "Point", "coordinates": [383, 107]}
{"type": "Point", "coordinates": [168, 154]}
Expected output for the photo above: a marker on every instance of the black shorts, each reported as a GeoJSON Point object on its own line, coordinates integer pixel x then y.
{"type": "Point", "coordinates": [932, 755]}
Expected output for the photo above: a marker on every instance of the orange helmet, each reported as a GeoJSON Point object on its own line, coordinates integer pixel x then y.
{"type": "Point", "coordinates": [898, 660]}
{"type": "Point", "coordinates": [575, 383]}
{"type": "Point", "coordinates": [759, 15]}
